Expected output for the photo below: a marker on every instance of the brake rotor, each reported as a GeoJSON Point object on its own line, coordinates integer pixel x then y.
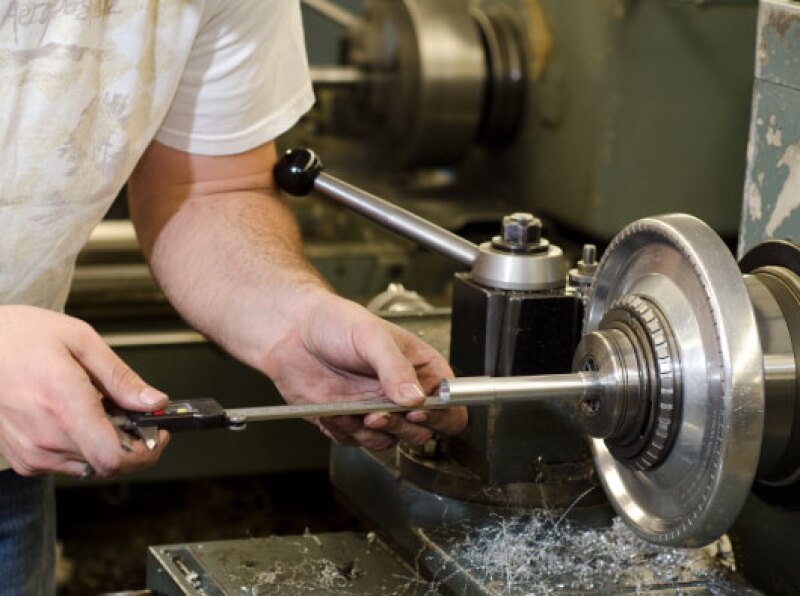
{"type": "Point", "coordinates": [694, 493]}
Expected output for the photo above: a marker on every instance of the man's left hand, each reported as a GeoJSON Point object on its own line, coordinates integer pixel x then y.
{"type": "Point", "coordinates": [338, 351]}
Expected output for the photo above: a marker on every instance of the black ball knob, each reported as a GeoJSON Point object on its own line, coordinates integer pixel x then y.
{"type": "Point", "coordinates": [296, 171]}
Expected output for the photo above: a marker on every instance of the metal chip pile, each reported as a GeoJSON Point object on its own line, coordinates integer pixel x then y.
{"type": "Point", "coordinates": [312, 575]}
{"type": "Point", "coordinates": [538, 553]}
{"type": "Point", "coordinates": [542, 553]}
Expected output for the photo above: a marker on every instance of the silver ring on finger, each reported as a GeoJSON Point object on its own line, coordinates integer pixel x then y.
{"type": "Point", "coordinates": [87, 473]}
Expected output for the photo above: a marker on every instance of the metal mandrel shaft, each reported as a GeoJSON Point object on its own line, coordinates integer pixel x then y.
{"type": "Point", "coordinates": [494, 390]}
{"type": "Point", "coordinates": [463, 391]}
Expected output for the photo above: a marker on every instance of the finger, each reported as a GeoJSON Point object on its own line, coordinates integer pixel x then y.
{"type": "Point", "coordinates": [87, 425]}
{"type": "Point", "coordinates": [54, 464]}
{"type": "Point", "coordinates": [37, 452]}
{"type": "Point", "coordinates": [431, 366]}
{"type": "Point", "coordinates": [112, 376]}
{"type": "Point", "coordinates": [140, 457]}
{"type": "Point", "coordinates": [354, 428]}
{"type": "Point", "coordinates": [450, 422]}
{"type": "Point", "coordinates": [335, 435]}
{"type": "Point", "coordinates": [339, 439]}
{"type": "Point", "coordinates": [17, 464]}
{"type": "Point", "coordinates": [398, 426]}
{"type": "Point", "coordinates": [395, 372]}
{"type": "Point", "coordinates": [44, 462]}
{"type": "Point", "coordinates": [144, 458]}
{"type": "Point", "coordinates": [376, 441]}
{"type": "Point", "coordinates": [418, 417]}
{"type": "Point", "coordinates": [137, 457]}
{"type": "Point", "coordinates": [73, 468]}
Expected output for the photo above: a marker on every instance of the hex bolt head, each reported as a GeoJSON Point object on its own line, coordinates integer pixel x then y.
{"type": "Point", "coordinates": [521, 229]}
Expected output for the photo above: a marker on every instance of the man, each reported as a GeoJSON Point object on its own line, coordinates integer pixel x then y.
{"type": "Point", "coordinates": [182, 98]}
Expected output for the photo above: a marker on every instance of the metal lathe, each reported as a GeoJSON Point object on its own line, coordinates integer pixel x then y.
{"type": "Point", "coordinates": [655, 381]}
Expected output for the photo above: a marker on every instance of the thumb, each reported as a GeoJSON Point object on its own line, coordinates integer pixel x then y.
{"type": "Point", "coordinates": [395, 372]}
{"type": "Point", "coordinates": [115, 379]}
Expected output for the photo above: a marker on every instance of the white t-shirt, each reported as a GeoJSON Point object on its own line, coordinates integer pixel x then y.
{"type": "Point", "coordinates": [85, 85]}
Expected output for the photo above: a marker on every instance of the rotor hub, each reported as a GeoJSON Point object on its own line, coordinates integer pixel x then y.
{"type": "Point", "coordinates": [638, 413]}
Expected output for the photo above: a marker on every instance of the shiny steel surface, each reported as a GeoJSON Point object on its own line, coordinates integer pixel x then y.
{"type": "Point", "coordinates": [542, 271]}
{"type": "Point", "coordinates": [638, 413]}
{"type": "Point", "coordinates": [398, 220]}
{"type": "Point", "coordinates": [501, 389]}
{"type": "Point", "coordinates": [652, 390]}
{"type": "Point", "coordinates": [425, 104]}
{"type": "Point", "coordinates": [682, 266]}
{"type": "Point", "coordinates": [266, 413]}
{"type": "Point", "coordinates": [465, 391]}
{"type": "Point", "coordinates": [775, 293]}
{"type": "Point", "coordinates": [779, 374]}
{"type": "Point", "coordinates": [581, 276]}
{"type": "Point", "coordinates": [612, 356]}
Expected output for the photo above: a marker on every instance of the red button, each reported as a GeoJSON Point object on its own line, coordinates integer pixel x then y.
{"type": "Point", "coordinates": [158, 413]}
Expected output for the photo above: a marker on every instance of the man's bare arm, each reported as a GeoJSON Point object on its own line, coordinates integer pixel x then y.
{"type": "Point", "coordinates": [220, 240]}
{"type": "Point", "coordinates": [227, 252]}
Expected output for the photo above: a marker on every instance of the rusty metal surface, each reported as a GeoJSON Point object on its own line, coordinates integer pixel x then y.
{"type": "Point", "coordinates": [772, 186]}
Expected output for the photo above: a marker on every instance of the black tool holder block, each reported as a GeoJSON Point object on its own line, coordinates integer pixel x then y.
{"type": "Point", "coordinates": [504, 333]}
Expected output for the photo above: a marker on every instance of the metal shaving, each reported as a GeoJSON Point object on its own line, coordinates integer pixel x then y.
{"type": "Point", "coordinates": [542, 553]}
{"type": "Point", "coordinates": [308, 576]}
{"type": "Point", "coordinates": [539, 553]}
{"type": "Point", "coordinates": [312, 574]}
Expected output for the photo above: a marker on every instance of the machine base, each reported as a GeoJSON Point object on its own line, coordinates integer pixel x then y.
{"type": "Point", "coordinates": [325, 564]}
{"type": "Point", "coordinates": [359, 565]}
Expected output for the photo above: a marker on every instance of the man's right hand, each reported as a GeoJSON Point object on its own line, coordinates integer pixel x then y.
{"type": "Point", "coordinates": [54, 372]}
